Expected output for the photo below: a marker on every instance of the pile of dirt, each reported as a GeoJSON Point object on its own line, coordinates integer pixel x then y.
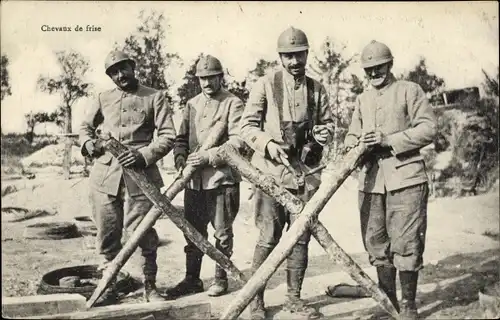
{"type": "Point", "coordinates": [52, 155]}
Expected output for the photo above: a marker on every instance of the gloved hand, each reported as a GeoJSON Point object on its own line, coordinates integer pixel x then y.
{"type": "Point", "coordinates": [132, 158]}
{"type": "Point", "coordinates": [180, 163]}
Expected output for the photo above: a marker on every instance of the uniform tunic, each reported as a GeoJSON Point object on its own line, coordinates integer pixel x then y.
{"type": "Point", "coordinates": [212, 195]}
{"type": "Point", "coordinates": [131, 118]}
{"type": "Point", "coordinates": [393, 181]}
{"type": "Point", "coordinates": [263, 121]}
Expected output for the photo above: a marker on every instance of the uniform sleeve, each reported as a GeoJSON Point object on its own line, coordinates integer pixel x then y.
{"type": "Point", "coordinates": [164, 126]}
{"type": "Point", "coordinates": [92, 119]}
{"type": "Point", "coordinates": [181, 146]}
{"type": "Point", "coordinates": [423, 123]}
{"type": "Point", "coordinates": [252, 117]}
{"type": "Point", "coordinates": [325, 111]}
{"type": "Point", "coordinates": [355, 127]}
{"type": "Point", "coordinates": [235, 111]}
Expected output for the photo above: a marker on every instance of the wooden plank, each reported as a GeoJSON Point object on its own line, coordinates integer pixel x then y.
{"type": "Point", "coordinates": [163, 206]}
{"type": "Point", "coordinates": [21, 307]}
{"type": "Point", "coordinates": [333, 177]}
{"type": "Point", "coordinates": [159, 310]}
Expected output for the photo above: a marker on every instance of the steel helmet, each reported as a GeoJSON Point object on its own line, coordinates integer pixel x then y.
{"type": "Point", "coordinates": [208, 66]}
{"type": "Point", "coordinates": [115, 57]}
{"type": "Point", "coordinates": [292, 40]}
{"type": "Point", "coordinates": [374, 54]}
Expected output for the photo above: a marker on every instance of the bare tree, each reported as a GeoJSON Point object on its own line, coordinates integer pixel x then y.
{"type": "Point", "coordinates": [70, 85]}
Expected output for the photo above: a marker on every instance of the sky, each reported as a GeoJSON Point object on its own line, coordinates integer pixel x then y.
{"type": "Point", "coordinates": [458, 39]}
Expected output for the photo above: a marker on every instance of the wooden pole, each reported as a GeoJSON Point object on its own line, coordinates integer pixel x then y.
{"type": "Point", "coordinates": [162, 206]}
{"type": "Point", "coordinates": [137, 311]}
{"type": "Point", "coordinates": [333, 176]}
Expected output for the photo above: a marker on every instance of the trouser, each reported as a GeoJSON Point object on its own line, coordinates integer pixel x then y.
{"type": "Point", "coordinates": [216, 206]}
{"type": "Point", "coordinates": [112, 214]}
{"type": "Point", "coordinates": [393, 226]}
{"type": "Point", "coordinates": [270, 219]}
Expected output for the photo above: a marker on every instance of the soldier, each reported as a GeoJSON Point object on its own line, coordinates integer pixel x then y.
{"type": "Point", "coordinates": [213, 193]}
{"type": "Point", "coordinates": [395, 120]}
{"type": "Point", "coordinates": [130, 112]}
{"type": "Point", "coordinates": [286, 121]}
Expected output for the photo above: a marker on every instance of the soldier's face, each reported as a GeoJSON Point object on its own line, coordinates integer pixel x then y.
{"type": "Point", "coordinates": [294, 62]}
{"type": "Point", "coordinates": [211, 84]}
{"type": "Point", "coordinates": [378, 75]}
{"type": "Point", "coordinates": [122, 74]}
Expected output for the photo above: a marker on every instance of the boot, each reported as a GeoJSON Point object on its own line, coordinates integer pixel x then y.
{"type": "Point", "coordinates": [296, 269]}
{"type": "Point", "coordinates": [387, 282]}
{"type": "Point", "coordinates": [294, 304]}
{"type": "Point", "coordinates": [219, 286]}
{"type": "Point", "coordinates": [151, 293]}
{"type": "Point", "coordinates": [408, 281]}
{"type": "Point", "coordinates": [257, 306]}
{"type": "Point", "coordinates": [191, 283]}
{"type": "Point", "coordinates": [108, 297]}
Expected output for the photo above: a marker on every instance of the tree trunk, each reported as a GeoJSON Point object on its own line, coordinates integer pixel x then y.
{"type": "Point", "coordinates": [68, 143]}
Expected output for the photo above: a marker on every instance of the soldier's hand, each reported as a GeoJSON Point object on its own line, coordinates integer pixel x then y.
{"type": "Point", "coordinates": [132, 158]}
{"type": "Point", "coordinates": [90, 148]}
{"type": "Point", "coordinates": [374, 138]}
{"type": "Point", "coordinates": [197, 159]}
{"type": "Point", "coordinates": [321, 134]}
{"type": "Point", "coordinates": [180, 163]}
{"type": "Point", "coordinates": [277, 153]}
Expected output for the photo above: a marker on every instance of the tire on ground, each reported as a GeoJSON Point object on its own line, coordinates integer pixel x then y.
{"type": "Point", "coordinates": [89, 278]}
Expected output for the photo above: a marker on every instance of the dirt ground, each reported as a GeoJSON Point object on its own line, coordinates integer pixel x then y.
{"type": "Point", "coordinates": [462, 252]}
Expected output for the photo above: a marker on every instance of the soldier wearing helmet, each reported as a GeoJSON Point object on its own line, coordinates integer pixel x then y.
{"type": "Point", "coordinates": [286, 121]}
{"type": "Point", "coordinates": [130, 112]}
{"type": "Point", "coordinates": [212, 195]}
{"type": "Point", "coordinates": [394, 119]}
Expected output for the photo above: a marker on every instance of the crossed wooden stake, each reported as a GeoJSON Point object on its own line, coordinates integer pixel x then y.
{"type": "Point", "coordinates": [332, 178]}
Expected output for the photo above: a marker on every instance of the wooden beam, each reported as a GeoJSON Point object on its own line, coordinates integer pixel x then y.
{"type": "Point", "coordinates": [333, 177]}
{"type": "Point", "coordinates": [159, 310]}
{"type": "Point", "coordinates": [22, 307]}
{"type": "Point", "coordinates": [162, 206]}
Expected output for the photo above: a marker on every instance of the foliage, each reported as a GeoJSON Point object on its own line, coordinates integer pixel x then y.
{"type": "Point", "coordinates": [191, 86]}
{"type": "Point", "coordinates": [69, 84]}
{"type": "Point", "coordinates": [473, 139]}
{"type": "Point", "coordinates": [430, 83]}
{"type": "Point", "coordinates": [71, 87]}
{"type": "Point", "coordinates": [239, 89]}
{"type": "Point", "coordinates": [14, 147]}
{"type": "Point", "coordinates": [145, 47]}
{"type": "Point", "coordinates": [32, 119]}
{"type": "Point", "coordinates": [342, 87]}
{"type": "Point", "coordinates": [6, 88]}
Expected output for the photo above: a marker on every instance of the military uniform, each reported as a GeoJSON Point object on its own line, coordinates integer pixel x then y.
{"type": "Point", "coordinates": [283, 109]}
{"type": "Point", "coordinates": [117, 201]}
{"type": "Point", "coordinates": [394, 178]}
{"type": "Point", "coordinates": [393, 184]}
{"type": "Point", "coordinates": [213, 193]}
